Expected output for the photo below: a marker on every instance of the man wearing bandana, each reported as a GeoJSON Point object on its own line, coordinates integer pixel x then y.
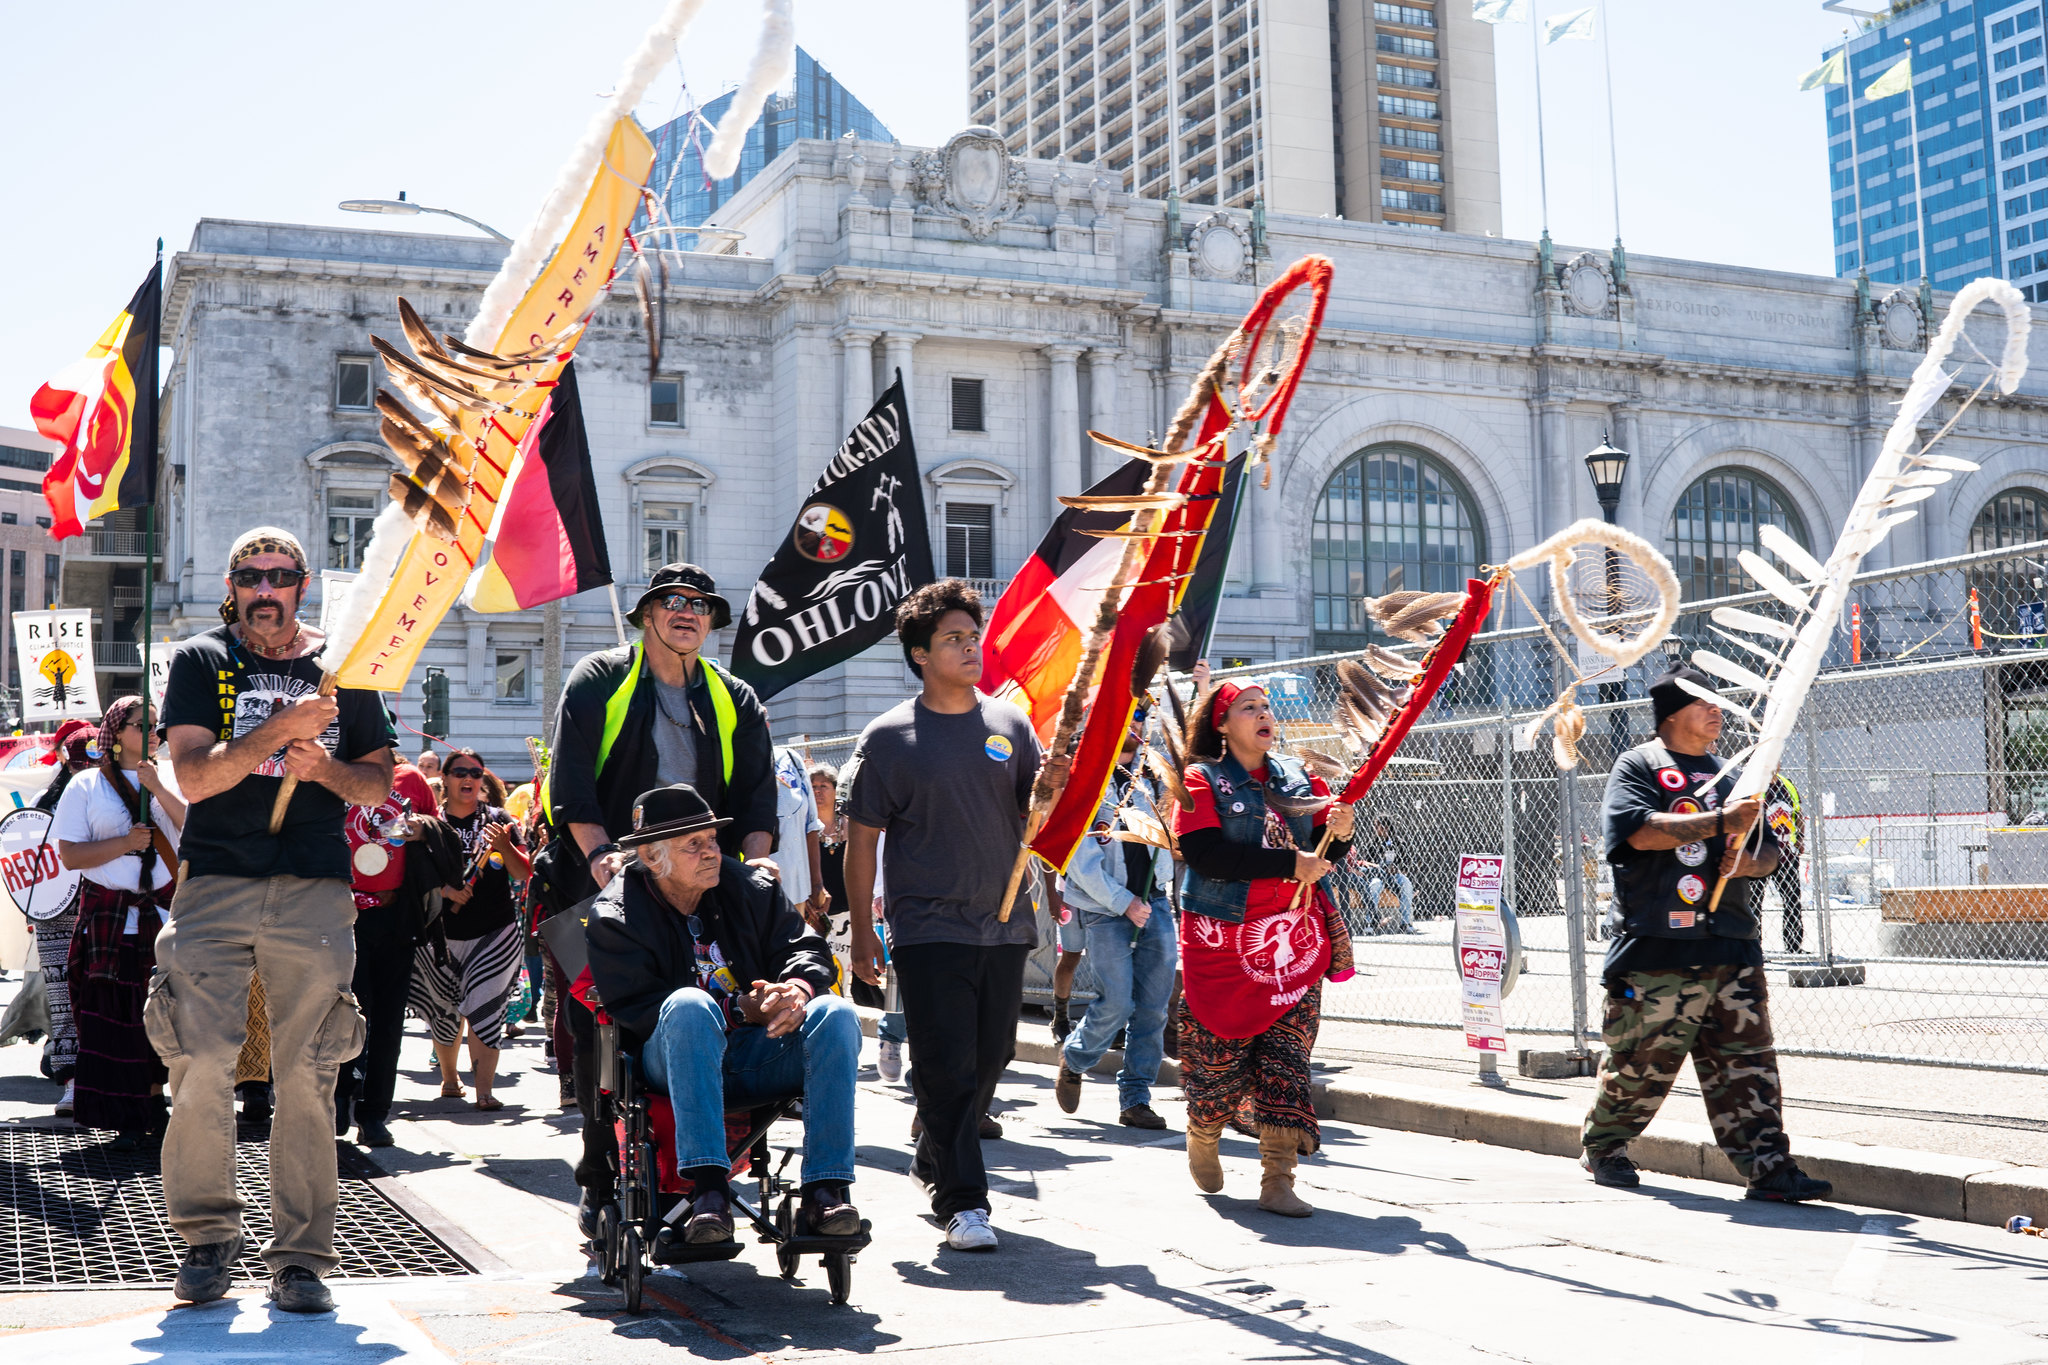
{"type": "Point", "coordinates": [242, 711]}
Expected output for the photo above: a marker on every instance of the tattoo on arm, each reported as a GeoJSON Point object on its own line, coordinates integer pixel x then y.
{"type": "Point", "coordinates": [1664, 830]}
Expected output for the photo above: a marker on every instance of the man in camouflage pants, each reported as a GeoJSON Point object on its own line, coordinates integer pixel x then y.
{"type": "Point", "coordinates": [1683, 978]}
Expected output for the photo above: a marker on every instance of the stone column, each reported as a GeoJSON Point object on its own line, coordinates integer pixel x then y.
{"type": "Point", "coordinates": [1104, 372]}
{"type": "Point", "coordinates": [896, 348]}
{"type": "Point", "coordinates": [1064, 446]}
{"type": "Point", "coordinates": [1262, 511]}
{"type": "Point", "coordinates": [1553, 460]}
{"type": "Point", "coordinates": [858, 385]}
{"type": "Point", "coordinates": [1633, 513]}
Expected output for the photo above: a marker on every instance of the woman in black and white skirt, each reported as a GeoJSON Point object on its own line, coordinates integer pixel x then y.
{"type": "Point", "coordinates": [468, 980]}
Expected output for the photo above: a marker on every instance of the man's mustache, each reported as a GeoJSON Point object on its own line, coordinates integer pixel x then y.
{"type": "Point", "coordinates": [260, 603]}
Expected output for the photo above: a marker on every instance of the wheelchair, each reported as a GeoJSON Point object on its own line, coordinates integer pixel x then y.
{"type": "Point", "coordinates": [641, 1225]}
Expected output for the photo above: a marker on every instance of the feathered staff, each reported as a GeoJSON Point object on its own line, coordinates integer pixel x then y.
{"type": "Point", "coordinates": [1373, 718]}
{"type": "Point", "coordinates": [1619, 597]}
{"type": "Point", "coordinates": [1268, 353]}
{"type": "Point", "coordinates": [1791, 651]}
{"type": "Point", "coordinates": [479, 394]}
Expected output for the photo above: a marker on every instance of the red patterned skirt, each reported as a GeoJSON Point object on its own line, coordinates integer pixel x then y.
{"type": "Point", "coordinates": [1270, 1068]}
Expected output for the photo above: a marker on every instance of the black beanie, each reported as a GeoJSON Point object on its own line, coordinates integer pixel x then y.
{"type": "Point", "coordinates": [1667, 697]}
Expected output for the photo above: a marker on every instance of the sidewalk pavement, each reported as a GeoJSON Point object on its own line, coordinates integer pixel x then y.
{"type": "Point", "coordinates": [1424, 1081]}
{"type": "Point", "coordinates": [1424, 1249]}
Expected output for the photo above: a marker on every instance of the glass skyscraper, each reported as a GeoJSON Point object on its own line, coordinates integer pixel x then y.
{"type": "Point", "coordinates": [1980, 90]}
{"type": "Point", "coordinates": [815, 106]}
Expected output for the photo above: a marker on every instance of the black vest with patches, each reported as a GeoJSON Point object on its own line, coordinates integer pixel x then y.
{"type": "Point", "coordinates": [1664, 893]}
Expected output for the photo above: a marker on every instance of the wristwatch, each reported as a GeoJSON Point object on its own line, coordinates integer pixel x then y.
{"type": "Point", "coordinates": [601, 850]}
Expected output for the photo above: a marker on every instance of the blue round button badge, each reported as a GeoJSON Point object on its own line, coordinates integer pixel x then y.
{"type": "Point", "coordinates": [997, 748]}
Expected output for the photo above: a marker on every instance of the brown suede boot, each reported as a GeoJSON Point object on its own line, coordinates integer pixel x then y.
{"type": "Point", "coordinates": [1279, 1149]}
{"type": "Point", "coordinates": [1203, 1163]}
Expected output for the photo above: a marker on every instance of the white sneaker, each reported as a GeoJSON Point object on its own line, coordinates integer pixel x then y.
{"type": "Point", "coordinates": [969, 1231]}
{"type": "Point", "coordinates": [64, 1105]}
{"type": "Point", "coordinates": [889, 1061]}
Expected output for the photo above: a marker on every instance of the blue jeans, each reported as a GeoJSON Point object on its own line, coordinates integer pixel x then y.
{"type": "Point", "coordinates": [700, 1065]}
{"type": "Point", "coordinates": [1134, 980]}
{"type": "Point", "coordinates": [1403, 888]}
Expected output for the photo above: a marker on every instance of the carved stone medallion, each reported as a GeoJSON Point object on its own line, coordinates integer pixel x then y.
{"type": "Point", "coordinates": [1219, 247]}
{"type": "Point", "coordinates": [1899, 322]}
{"type": "Point", "coordinates": [973, 178]}
{"type": "Point", "coordinates": [1588, 286]}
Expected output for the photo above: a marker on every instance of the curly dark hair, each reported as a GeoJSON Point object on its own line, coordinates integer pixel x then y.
{"type": "Point", "coordinates": [1203, 740]}
{"type": "Point", "coordinates": [917, 615]}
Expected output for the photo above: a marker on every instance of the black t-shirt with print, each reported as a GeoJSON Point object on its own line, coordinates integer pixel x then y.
{"type": "Point", "coordinates": [491, 908]}
{"type": "Point", "coordinates": [218, 684]}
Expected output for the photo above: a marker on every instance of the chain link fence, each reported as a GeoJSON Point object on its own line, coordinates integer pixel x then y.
{"type": "Point", "coordinates": [1916, 926]}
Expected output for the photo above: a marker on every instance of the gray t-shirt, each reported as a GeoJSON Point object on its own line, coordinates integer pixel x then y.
{"type": "Point", "coordinates": [950, 792]}
{"type": "Point", "coordinates": [675, 735]}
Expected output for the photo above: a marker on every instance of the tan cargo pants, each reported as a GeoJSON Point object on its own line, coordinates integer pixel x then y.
{"type": "Point", "coordinates": [300, 934]}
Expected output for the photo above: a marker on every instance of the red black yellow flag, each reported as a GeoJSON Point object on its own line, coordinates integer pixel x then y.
{"type": "Point", "coordinates": [103, 410]}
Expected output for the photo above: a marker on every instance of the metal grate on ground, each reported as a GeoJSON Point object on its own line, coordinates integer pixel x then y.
{"type": "Point", "coordinates": [75, 1215]}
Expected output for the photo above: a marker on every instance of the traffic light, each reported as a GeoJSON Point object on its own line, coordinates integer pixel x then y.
{"type": "Point", "coordinates": [435, 689]}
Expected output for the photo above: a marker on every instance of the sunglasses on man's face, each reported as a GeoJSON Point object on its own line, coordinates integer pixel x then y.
{"type": "Point", "coordinates": [279, 578]}
{"type": "Point", "coordinates": [460, 773]}
{"type": "Point", "coordinates": [696, 606]}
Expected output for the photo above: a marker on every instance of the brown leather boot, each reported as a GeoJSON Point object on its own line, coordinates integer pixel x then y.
{"type": "Point", "coordinates": [1203, 1162]}
{"type": "Point", "coordinates": [1279, 1149]}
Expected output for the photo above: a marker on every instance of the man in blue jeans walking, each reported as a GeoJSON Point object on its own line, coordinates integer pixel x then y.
{"type": "Point", "coordinates": [727, 991]}
{"type": "Point", "coordinates": [1118, 889]}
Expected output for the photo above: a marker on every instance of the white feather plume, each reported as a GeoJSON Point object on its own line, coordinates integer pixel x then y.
{"type": "Point", "coordinates": [524, 261]}
{"type": "Point", "coordinates": [1899, 476]}
{"type": "Point", "coordinates": [389, 535]}
{"type": "Point", "coordinates": [774, 60]}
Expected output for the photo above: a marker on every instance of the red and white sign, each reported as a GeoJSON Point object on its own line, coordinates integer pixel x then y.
{"type": "Point", "coordinates": [1482, 951]}
{"type": "Point", "coordinates": [34, 880]}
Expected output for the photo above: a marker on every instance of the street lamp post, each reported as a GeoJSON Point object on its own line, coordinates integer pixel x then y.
{"type": "Point", "coordinates": [1608, 465]}
{"type": "Point", "coordinates": [404, 208]}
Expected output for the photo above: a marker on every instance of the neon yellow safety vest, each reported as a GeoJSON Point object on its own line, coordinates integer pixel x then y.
{"type": "Point", "coordinates": [723, 713]}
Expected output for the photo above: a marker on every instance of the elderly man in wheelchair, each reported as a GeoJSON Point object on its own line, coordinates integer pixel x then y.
{"type": "Point", "coordinates": [703, 964]}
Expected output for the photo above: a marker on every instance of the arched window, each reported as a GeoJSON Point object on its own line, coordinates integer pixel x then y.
{"type": "Point", "coordinates": [2018, 516]}
{"type": "Point", "coordinates": [1717, 517]}
{"type": "Point", "coordinates": [1391, 518]}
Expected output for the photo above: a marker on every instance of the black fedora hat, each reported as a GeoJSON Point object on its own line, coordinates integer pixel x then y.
{"type": "Point", "coordinates": [669, 813]}
{"type": "Point", "coordinates": [671, 577]}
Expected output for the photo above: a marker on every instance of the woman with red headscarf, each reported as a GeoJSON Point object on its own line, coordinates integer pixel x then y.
{"type": "Point", "coordinates": [1252, 964]}
{"type": "Point", "coordinates": [128, 870]}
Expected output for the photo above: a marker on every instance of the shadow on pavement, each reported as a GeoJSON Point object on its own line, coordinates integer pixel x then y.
{"type": "Point", "coordinates": [781, 1315]}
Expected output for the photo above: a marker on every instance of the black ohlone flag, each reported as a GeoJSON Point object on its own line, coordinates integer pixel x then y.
{"type": "Point", "coordinates": [858, 547]}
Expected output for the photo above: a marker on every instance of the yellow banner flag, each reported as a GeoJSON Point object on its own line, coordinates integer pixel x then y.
{"type": "Point", "coordinates": [430, 575]}
{"type": "Point", "coordinates": [1833, 71]}
{"type": "Point", "coordinates": [1896, 81]}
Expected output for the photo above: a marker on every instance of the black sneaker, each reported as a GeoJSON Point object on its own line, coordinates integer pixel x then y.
{"type": "Point", "coordinates": [207, 1270]}
{"type": "Point", "coordinates": [1061, 1024]}
{"type": "Point", "coordinates": [374, 1134]}
{"type": "Point", "coordinates": [587, 1204]}
{"type": "Point", "coordinates": [1789, 1185]}
{"type": "Point", "coordinates": [1612, 1169]}
{"type": "Point", "coordinates": [296, 1289]}
{"type": "Point", "coordinates": [990, 1128]}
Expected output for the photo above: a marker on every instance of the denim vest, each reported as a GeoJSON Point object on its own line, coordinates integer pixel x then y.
{"type": "Point", "coordinates": [1241, 806]}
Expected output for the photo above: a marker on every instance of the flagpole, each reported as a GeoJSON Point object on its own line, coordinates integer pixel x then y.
{"type": "Point", "coordinates": [1855, 157]}
{"type": "Point", "coordinates": [1613, 160]}
{"type": "Point", "coordinates": [149, 433]}
{"type": "Point", "coordinates": [1919, 174]}
{"type": "Point", "coordinates": [1542, 167]}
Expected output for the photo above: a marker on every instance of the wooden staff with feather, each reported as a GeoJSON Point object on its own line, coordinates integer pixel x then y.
{"type": "Point", "coordinates": [1150, 507]}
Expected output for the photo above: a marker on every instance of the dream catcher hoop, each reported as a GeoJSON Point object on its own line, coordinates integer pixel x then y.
{"type": "Point", "coordinates": [1618, 597]}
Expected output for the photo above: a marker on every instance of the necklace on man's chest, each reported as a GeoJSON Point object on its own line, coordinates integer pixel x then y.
{"type": "Point", "coordinates": [283, 651]}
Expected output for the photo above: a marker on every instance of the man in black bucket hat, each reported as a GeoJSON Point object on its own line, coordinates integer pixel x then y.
{"type": "Point", "coordinates": [650, 714]}
{"type": "Point", "coordinates": [712, 976]}
{"type": "Point", "coordinates": [1684, 976]}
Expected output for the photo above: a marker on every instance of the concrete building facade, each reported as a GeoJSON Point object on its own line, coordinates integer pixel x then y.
{"type": "Point", "coordinates": [1373, 112]}
{"type": "Point", "coordinates": [1459, 383]}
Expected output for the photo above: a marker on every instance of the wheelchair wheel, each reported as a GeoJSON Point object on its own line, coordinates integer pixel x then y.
{"type": "Point", "coordinates": [787, 1259]}
{"type": "Point", "coordinates": [606, 1243]}
{"type": "Point", "coordinates": [632, 1269]}
{"type": "Point", "coordinates": [839, 1275]}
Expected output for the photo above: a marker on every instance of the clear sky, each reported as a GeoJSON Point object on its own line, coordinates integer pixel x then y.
{"type": "Point", "coordinates": [128, 121]}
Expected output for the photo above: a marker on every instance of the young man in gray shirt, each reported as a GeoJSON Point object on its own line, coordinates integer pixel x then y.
{"type": "Point", "coordinates": [948, 776]}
